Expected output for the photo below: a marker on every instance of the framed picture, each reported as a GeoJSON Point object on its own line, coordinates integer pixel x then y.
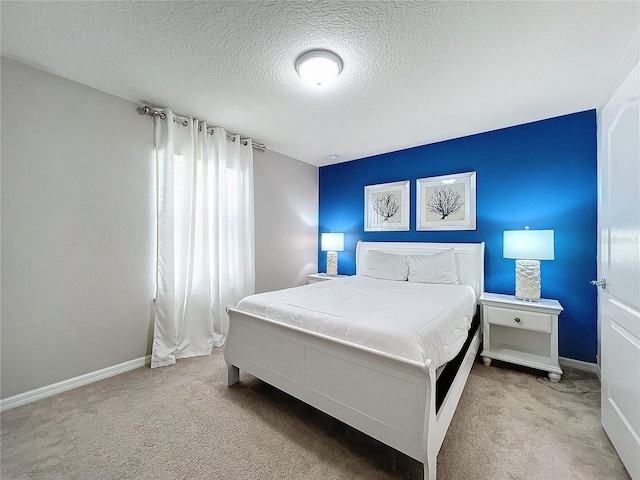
{"type": "Point", "coordinates": [447, 202]}
{"type": "Point", "coordinates": [386, 207]}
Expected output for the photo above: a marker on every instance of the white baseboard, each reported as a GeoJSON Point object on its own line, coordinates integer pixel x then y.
{"type": "Point", "coordinates": [580, 365]}
{"type": "Point", "coordinates": [55, 388]}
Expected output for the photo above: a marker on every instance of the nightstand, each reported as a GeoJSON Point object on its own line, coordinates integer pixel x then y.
{"type": "Point", "coordinates": [321, 277]}
{"type": "Point", "coordinates": [521, 332]}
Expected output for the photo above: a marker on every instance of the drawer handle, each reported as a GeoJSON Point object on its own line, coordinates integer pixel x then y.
{"type": "Point", "coordinates": [517, 320]}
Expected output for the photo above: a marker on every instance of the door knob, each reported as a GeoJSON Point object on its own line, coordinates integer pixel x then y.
{"type": "Point", "coordinates": [600, 283]}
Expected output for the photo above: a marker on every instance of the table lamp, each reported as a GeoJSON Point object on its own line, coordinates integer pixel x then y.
{"type": "Point", "coordinates": [528, 247]}
{"type": "Point", "coordinates": [332, 243]}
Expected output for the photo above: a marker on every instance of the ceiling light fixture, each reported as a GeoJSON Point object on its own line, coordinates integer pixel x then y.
{"type": "Point", "coordinates": [318, 67]}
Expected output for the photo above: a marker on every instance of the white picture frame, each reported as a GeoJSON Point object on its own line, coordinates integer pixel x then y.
{"type": "Point", "coordinates": [446, 202]}
{"type": "Point", "coordinates": [386, 207]}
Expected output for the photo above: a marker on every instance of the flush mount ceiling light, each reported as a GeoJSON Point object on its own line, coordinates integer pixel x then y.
{"type": "Point", "coordinates": [318, 67]}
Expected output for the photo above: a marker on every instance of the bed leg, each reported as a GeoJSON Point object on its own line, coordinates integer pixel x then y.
{"type": "Point", "coordinates": [430, 470]}
{"type": "Point", "coordinates": [233, 375]}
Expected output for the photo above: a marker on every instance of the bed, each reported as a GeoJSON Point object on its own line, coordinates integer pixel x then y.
{"type": "Point", "coordinates": [381, 388]}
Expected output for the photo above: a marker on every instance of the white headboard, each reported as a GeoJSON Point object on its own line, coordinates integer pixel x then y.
{"type": "Point", "coordinates": [469, 258]}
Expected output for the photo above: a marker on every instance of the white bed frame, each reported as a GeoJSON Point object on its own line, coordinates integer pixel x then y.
{"type": "Point", "coordinates": [389, 398]}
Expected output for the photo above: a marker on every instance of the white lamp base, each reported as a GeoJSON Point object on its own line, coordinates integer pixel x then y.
{"type": "Point", "coordinates": [332, 263]}
{"type": "Point", "coordinates": [528, 279]}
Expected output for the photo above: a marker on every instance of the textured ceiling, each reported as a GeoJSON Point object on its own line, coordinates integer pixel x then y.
{"type": "Point", "coordinates": [414, 72]}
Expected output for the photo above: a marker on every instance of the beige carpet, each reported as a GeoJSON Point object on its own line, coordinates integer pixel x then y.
{"type": "Point", "coordinates": [182, 422]}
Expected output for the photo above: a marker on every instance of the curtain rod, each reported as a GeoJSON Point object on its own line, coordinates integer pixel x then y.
{"type": "Point", "coordinates": [147, 110]}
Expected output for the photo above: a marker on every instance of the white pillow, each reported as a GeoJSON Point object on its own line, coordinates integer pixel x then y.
{"type": "Point", "coordinates": [386, 266]}
{"type": "Point", "coordinates": [437, 268]}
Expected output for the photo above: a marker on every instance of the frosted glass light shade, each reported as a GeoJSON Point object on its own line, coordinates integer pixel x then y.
{"type": "Point", "coordinates": [318, 67]}
{"type": "Point", "coordinates": [528, 244]}
{"type": "Point", "coordinates": [332, 242]}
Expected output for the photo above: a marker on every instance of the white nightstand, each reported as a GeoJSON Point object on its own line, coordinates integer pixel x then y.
{"type": "Point", "coordinates": [321, 277]}
{"type": "Point", "coordinates": [521, 332]}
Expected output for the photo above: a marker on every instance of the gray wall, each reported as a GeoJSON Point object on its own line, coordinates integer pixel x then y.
{"type": "Point", "coordinates": [78, 228]}
{"type": "Point", "coordinates": [286, 217]}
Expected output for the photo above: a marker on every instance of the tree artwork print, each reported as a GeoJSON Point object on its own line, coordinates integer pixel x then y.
{"type": "Point", "coordinates": [386, 205]}
{"type": "Point", "coordinates": [445, 201]}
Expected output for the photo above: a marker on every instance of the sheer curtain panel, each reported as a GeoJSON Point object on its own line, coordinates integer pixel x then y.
{"type": "Point", "coordinates": [205, 235]}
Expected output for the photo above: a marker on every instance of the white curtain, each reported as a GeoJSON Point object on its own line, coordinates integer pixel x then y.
{"type": "Point", "coordinates": [205, 235]}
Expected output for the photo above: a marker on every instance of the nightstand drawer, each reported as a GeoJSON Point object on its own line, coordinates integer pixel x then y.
{"type": "Point", "coordinates": [517, 318]}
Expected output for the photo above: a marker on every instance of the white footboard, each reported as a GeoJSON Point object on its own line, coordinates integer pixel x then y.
{"type": "Point", "coordinates": [387, 397]}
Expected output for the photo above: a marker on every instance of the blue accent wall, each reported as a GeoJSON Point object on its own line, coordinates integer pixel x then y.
{"type": "Point", "coordinates": [541, 174]}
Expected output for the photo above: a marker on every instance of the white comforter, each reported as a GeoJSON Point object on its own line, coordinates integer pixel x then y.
{"type": "Point", "coordinates": [413, 320]}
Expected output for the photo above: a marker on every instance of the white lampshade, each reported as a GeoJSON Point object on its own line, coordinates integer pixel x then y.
{"type": "Point", "coordinates": [528, 244]}
{"type": "Point", "coordinates": [332, 242]}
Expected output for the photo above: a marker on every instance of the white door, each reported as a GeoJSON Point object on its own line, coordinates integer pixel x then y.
{"type": "Point", "coordinates": [619, 266]}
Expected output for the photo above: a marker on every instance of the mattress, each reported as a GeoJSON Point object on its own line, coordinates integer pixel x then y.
{"type": "Point", "coordinates": [416, 321]}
